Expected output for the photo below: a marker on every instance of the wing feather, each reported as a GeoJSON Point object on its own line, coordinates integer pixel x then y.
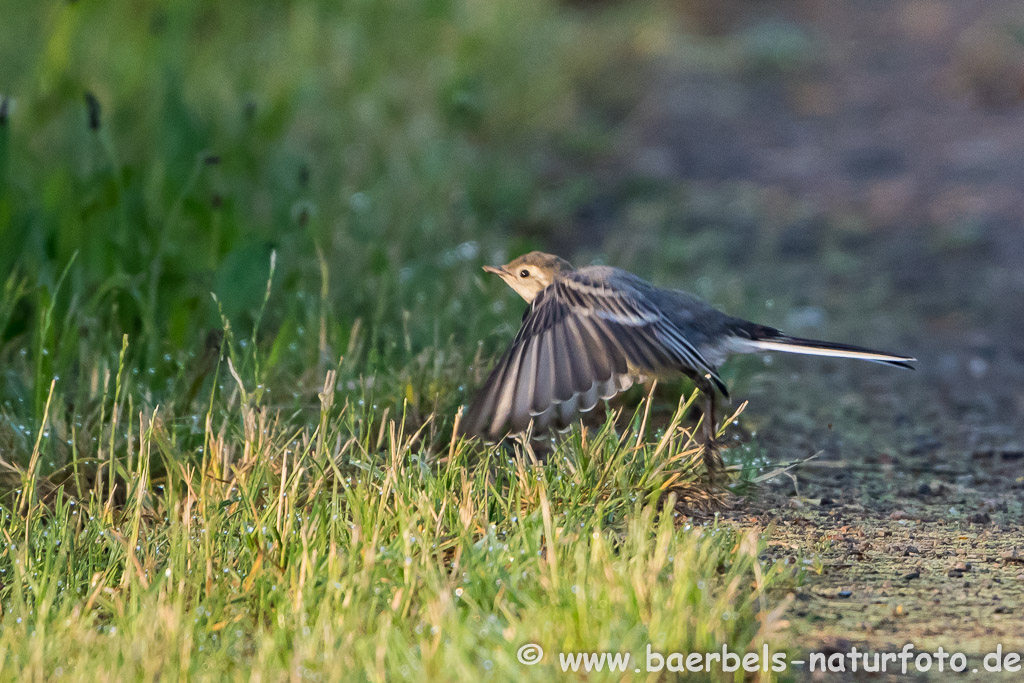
{"type": "Point", "coordinates": [619, 359]}
{"type": "Point", "coordinates": [577, 356]}
{"type": "Point", "coordinates": [598, 350]}
{"type": "Point", "coordinates": [563, 370]}
{"type": "Point", "coordinates": [526, 387]}
{"type": "Point", "coordinates": [544, 392]}
{"type": "Point", "coordinates": [482, 409]}
{"type": "Point", "coordinates": [505, 392]}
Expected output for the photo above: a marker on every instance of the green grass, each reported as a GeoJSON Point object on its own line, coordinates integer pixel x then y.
{"type": "Point", "coordinates": [241, 306]}
{"type": "Point", "coordinates": [349, 549]}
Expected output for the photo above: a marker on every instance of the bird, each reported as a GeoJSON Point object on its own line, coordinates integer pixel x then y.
{"type": "Point", "coordinates": [590, 333]}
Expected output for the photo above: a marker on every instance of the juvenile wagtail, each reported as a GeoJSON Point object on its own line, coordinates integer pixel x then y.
{"type": "Point", "coordinates": [591, 333]}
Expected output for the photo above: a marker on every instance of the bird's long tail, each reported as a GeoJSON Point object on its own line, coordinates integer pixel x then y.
{"type": "Point", "coordinates": [768, 339]}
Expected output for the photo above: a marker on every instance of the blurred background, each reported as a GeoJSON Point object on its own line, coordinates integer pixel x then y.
{"type": "Point", "coordinates": [844, 170]}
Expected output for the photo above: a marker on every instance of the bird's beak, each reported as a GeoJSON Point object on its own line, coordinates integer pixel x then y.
{"type": "Point", "coordinates": [497, 270]}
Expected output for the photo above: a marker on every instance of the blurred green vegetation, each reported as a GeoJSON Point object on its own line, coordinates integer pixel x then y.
{"type": "Point", "coordinates": [154, 154]}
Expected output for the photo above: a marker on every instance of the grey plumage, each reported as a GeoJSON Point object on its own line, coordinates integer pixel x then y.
{"type": "Point", "coordinates": [592, 332]}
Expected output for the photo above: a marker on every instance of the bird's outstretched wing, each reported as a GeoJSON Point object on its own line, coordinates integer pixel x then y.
{"type": "Point", "coordinates": [580, 342]}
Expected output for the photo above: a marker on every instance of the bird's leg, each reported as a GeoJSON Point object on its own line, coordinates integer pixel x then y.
{"type": "Point", "coordinates": [712, 458]}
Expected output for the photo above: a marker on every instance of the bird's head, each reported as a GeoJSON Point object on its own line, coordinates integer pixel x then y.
{"type": "Point", "coordinates": [531, 273]}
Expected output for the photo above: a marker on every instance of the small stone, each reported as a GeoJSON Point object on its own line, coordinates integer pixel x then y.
{"type": "Point", "coordinates": [1012, 558]}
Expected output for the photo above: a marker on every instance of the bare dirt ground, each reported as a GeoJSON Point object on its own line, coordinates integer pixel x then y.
{"type": "Point", "coordinates": [885, 154]}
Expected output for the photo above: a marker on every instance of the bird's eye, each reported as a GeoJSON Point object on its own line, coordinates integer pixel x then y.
{"type": "Point", "coordinates": [524, 273]}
